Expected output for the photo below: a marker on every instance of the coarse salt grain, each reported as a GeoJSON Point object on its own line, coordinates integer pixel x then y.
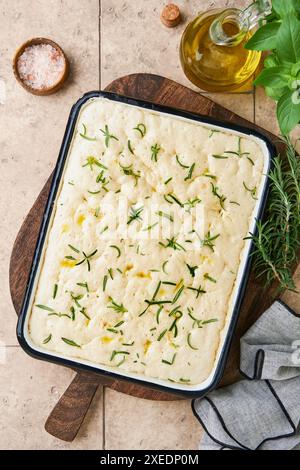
{"type": "Point", "coordinates": [41, 66]}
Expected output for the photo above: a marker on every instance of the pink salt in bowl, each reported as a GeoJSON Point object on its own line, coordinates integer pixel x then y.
{"type": "Point", "coordinates": [41, 66]}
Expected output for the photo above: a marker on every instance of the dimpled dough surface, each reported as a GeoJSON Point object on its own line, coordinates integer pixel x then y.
{"type": "Point", "coordinates": [150, 242]}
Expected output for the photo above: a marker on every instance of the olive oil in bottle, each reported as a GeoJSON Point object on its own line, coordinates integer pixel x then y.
{"type": "Point", "coordinates": [212, 50]}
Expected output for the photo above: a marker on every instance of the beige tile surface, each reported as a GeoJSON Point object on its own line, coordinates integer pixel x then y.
{"type": "Point", "coordinates": [132, 423]}
{"type": "Point", "coordinates": [29, 390]}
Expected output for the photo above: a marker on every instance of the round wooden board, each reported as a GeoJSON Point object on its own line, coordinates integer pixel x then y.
{"type": "Point", "coordinates": [166, 92]}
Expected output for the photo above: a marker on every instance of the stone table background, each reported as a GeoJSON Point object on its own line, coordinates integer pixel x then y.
{"type": "Point", "coordinates": [104, 39]}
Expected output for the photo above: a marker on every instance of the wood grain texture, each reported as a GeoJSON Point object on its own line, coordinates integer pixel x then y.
{"type": "Point", "coordinates": [160, 91]}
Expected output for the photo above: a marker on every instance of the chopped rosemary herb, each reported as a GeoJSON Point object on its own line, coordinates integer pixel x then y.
{"type": "Point", "coordinates": [208, 175]}
{"type": "Point", "coordinates": [107, 135]}
{"type": "Point", "coordinates": [84, 134]}
{"type": "Point", "coordinates": [154, 152]}
{"type": "Point", "coordinates": [104, 283]}
{"type": "Point", "coordinates": [162, 334]}
{"type": "Point", "coordinates": [45, 307]}
{"type": "Point", "coordinates": [128, 344]}
{"type": "Point", "coordinates": [150, 227]}
{"type": "Point", "coordinates": [209, 278]}
{"type": "Point", "coordinates": [115, 353]}
{"type": "Point", "coordinates": [178, 294]}
{"type": "Point", "coordinates": [168, 180]}
{"type": "Point", "coordinates": [46, 340]}
{"type": "Point", "coordinates": [181, 164]}
{"type": "Point", "coordinates": [130, 147]}
{"type": "Point", "coordinates": [135, 214]}
{"type": "Point", "coordinates": [199, 290]}
{"type": "Point", "coordinates": [159, 310]}
{"type": "Point", "coordinates": [119, 308]}
{"type": "Point", "coordinates": [72, 310]}
{"type": "Point", "coordinates": [174, 198]}
{"type": "Point", "coordinates": [141, 128]}
{"type": "Point", "coordinates": [55, 287]}
{"type": "Point", "coordinates": [110, 272]}
{"type": "Point", "coordinates": [119, 324]}
{"type": "Point", "coordinates": [212, 132]}
{"type": "Point", "coordinates": [91, 161]}
{"type": "Point", "coordinates": [220, 157]}
{"type": "Point", "coordinates": [97, 212]}
{"type": "Point", "coordinates": [253, 191]}
{"type": "Point", "coordinates": [191, 203]}
{"type": "Point", "coordinates": [59, 315]}
{"type": "Point", "coordinates": [234, 202]}
{"type": "Point", "coordinates": [94, 192]}
{"type": "Point", "coordinates": [129, 171]}
{"type": "Point", "coordinates": [189, 342]}
{"type": "Point", "coordinates": [208, 240]}
{"type": "Point", "coordinates": [251, 161]}
{"type": "Point", "coordinates": [192, 269]}
{"type": "Point", "coordinates": [221, 198]}
{"type": "Point", "coordinates": [84, 285]}
{"type": "Point", "coordinates": [70, 342]}
{"type": "Point", "coordinates": [184, 380]}
{"type": "Point", "coordinates": [74, 249]}
{"type": "Point", "coordinates": [166, 216]}
{"type": "Point", "coordinates": [164, 266]}
{"type": "Point", "coordinates": [104, 229]}
{"type": "Point", "coordinates": [190, 173]}
{"type": "Point", "coordinates": [172, 243]}
{"type": "Point", "coordinates": [83, 311]}
{"type": "Point", "coordinates": [76, 299]}
{"type": "Point", "coordinates": [117, 249]}
{"type": "Point", "coordinates": [171, 362]}
{"type": "Point", "coordinates": [87, 259]}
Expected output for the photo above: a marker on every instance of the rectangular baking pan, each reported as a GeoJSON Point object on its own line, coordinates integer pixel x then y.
{"type": "Point", "coordinates": [240, 285]}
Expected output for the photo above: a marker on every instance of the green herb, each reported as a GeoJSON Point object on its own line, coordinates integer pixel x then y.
{"type": "Point", "coordinates": [97, 212]}
{"type": "Point", "coordinates": [211, 320]}
{"type": "Point", "coordinates": [154, 152]}
{"type": "Point", "coordinates": [159, 310]}
{"type": "Point", "coordinates": [105, 278]}
{"type": "Point", "coordinates": [46, 340]}
{"type": "Point", "coordinates": [55, 287]}
{"type": "Point", "coordinates": [171, 362]}
{"type": "Point", "coordinates": [117, 249]}
{"type": "Point", "coordinates": [208, 175]}
{"type": "Point", "coordinates": [72, 310]}
{"type": "Point", "coordinates": [150, 227]}
{"type": "Point", "coordinates": [158, 302]}
{"type": "Point", "coordinates": [110, 272]}
{"type": "Point", "coordinates": [141, 128]}
{"type": "Point", "coordinates": [184, 380]}
{"type": "Point", "coordinates": [70, 342]}
{"type": "Point", "coordinates": [104, 229]}
{"type": "Point", "coordinates": [208, 240]}
{"type": "Point", "coordinates": [177, 314]}
{"type": "Point", "coordinates": [209, 278]}
{"type": "Point", "coordinates": [86, 259]}
{"type": "Point", "coordinates": [277, 239]}
{"type": "Point", "coordinates": [251, 161]}
{"type": "Point", "coordinates": [83, 311]}
{"type": "Point", "coordinates": [84, 285]}
{"type": "Point", "coordinates": [169, 283]}
{"type": "Point", "coordinates": [212, 132]}
{"type": "Point", "coordinates": [107, 136]}
{"type": "Point", "coordinates": [129, 171]}
{"type": "Point", "coordinates": [253, 191]}
{"type": "Point", "coordinates": [220, 157]}
{"type": "Point", "coordinates": [168, 180]}
{"type": "Point", "coordinates": [174, 198]}
{"type": "Point", "coordinates": [128, 344]}
{"type": "Point", "coordinates": [91, 161]}
{"type": "Point", "coordinates": [221, 198]}
{"type": "Point", "coordinates": [135, 214]}
{"type": "Point", "coordinates": [191, 203]}
{"type": "Point", "coordinates": [45, 307]}
{"type": "Point", "coordinates": [76, 299]}
{"type": "Point", "coordinates": [239, 152]}
{"type": "Point", "coordinates": [115, 353]}
{"type": "Point", "coordinates": [59, 315]}
{"type": "Point", "coordinates": [84, 134]}
{"type": "Point", "coordinates": [178, 294]}
{"type": "Point", "coordinates": [166, 216]}
{"type": "Point", "coordinates": [181, 164]}
{"type": "Point", "coordinates": [74, 249]}
{"type": "Point", "coordinates": [164, 266]}
{"type": "Point", "coordinates": [189, 342]}
{"type": "Point", "coordinates": [190, 173]}
{"type": "Point", "coordinates": [281, 35]}
{"type": "Point", "coordinates": [162, 334]}
{"type": "Point", "coordinates": [156, 290]}
{"type": "Point", "coordinates": [94, 192]}
{"type": "Point", "coordinates": [172, 243]}
{"type": "Point", "coordinates": [130, 147]}
{"type": "Point", "coordinates": [192, 269]}
{"type": "Point", "coordinates": [119, 308]}
{"type": "Point", "coordinates": [234, 202]}
{"type": "Point", "coordinates": [198, 290]}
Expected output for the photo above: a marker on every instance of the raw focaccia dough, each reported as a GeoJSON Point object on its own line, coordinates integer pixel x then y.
{"type": "Point", "coordinates": [99, 313]}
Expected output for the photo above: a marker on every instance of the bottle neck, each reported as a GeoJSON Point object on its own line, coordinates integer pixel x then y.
{"type": "Point", "coordinates": [241, 22]}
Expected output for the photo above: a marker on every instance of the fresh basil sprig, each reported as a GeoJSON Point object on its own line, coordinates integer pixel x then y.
{"type": "Point", "coordinates": [281, 74]}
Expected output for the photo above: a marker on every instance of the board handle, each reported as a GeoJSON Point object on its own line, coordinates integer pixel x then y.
{"type": "Point", "coordinates": [68, 414]}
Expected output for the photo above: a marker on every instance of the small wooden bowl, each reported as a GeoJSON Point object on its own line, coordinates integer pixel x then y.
{"type": "Point", "coordinates": [41, 91]}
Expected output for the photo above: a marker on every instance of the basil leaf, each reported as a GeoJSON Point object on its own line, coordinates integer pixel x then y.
{"type": "Point", "coordinates": [265, 38]}
{"type": "Point", "coordinates": [284, 7]}
{"type": "Point", "coordinates": [274, 77]}
{"type": "Point", "coordinates": [275, 93]}
{"type": "Point", "coordinates": [288, 113]}
{"type": "Point", "coordinates": [288, 40]}
{"type": "Point", "coordinates": [271, 61]}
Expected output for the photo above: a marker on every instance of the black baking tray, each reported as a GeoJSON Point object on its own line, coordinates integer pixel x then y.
{"type": "Point", "coordinates": [58, 172]}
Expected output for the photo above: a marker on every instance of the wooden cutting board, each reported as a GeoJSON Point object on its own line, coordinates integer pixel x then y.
{"type": "Point", "coordinates": [166, 92]}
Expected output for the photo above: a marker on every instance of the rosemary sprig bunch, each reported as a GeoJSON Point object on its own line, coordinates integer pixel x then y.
{"type": "Point", "coordinates": [277, 238]}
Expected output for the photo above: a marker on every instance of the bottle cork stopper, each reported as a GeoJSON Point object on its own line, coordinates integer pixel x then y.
{"type": "Point", "coordinates": [170, 16]}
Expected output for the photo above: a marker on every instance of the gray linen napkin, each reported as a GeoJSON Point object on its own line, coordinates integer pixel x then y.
{"type": "Point", "coordinates": [262, 411]}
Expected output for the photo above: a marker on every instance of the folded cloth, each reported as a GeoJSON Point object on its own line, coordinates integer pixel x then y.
{"type": "Point", "coordinates": [263, 411]}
